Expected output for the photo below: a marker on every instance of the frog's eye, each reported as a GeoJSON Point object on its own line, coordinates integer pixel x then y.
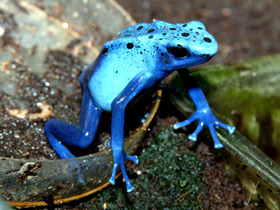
{"type": "Point", "coordinates": [178, 51]}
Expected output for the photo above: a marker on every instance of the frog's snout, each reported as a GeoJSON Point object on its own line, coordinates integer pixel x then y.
{"type": "Point", "coordinates": [204, 46]}
{"type": "Point", "coordinates": [197, 45]}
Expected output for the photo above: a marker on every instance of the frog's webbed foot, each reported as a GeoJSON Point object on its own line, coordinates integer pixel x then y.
{"type": "Point", "coordinates": [119, 157]}
{"type": "Point", "coordinates": [205, 117]}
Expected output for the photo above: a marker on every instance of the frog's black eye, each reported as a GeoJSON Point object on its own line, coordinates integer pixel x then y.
{"type": "Point", "coordinates": [179, 51]}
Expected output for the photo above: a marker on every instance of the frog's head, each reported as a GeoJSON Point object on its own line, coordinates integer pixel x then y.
{"type": "Point", "coordinates": [170, 46]}
{"type": "Point", "coordinates": [188, 45]}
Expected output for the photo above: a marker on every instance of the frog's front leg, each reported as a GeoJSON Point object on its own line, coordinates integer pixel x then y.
{"type": "Point", "coordinates": [203, 114]}
{"type": "Point", "coordinates": [117, 143]}
{"type": "Point", "coordinates": [137, 84]}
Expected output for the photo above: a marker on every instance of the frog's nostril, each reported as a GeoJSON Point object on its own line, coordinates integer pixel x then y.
{"type": "Point", "coordinates": [207, 39]}
{"type": "Point", "coordinates": [207, 56]}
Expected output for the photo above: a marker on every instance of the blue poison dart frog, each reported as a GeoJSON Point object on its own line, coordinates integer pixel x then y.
{"type": "Point", "coordinates": [137, 59]}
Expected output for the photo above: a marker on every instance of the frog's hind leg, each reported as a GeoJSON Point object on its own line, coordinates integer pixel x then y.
{"type": "Point", "coordinates": [60, 133]}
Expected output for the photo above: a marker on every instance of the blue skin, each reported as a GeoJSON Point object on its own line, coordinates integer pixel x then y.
{"type": "Point", "coordinates": [138, 58]}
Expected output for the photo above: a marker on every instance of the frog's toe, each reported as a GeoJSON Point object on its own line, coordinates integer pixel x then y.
{"type": "Point", "coordinates": [129, 187]}
{"type": "Point", "coordinates": [108, 144]}
{"type": "Point", "coordinates": [192, 137]}
{"type": "Point", "coordinates": [65, 154]}
{"type": "Point", "coordinates": [114, 173]}
{"type": "Point", "coordinates": [112, 180]}
{"type": "Point", "coordinates": [229, 128]}
{"type": "Point", "coordinates": [186, 122]}
{"type": "Point", "coordinates": [132, 158]}
{"type": "Point", "coordinates": [199, 127]}
{"type": "Point", "coordinates": [217, 143]}
{"type": "Point", "coordinates": [119, 162]}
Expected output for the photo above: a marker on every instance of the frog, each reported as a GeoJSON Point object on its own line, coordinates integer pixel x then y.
{"type": "Point", "coordinates": [136, 60]}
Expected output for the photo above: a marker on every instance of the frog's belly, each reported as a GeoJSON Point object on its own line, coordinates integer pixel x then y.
{"type": "Point", "coordinates": [106, 86]}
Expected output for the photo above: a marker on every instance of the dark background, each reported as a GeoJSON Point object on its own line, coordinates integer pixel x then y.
{"type": "Point", "coordinates": [243, 28]}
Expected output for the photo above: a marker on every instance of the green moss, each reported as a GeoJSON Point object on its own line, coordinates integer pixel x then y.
{"type": "Point", "coordinates": [171, 178]}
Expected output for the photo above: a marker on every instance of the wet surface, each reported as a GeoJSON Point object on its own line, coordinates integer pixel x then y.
{"type": "Point", "coordinates": [32, 93]}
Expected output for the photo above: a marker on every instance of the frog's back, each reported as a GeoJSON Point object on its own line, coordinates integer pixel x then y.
{"type": "Point", "coordinates": [121, 60]}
